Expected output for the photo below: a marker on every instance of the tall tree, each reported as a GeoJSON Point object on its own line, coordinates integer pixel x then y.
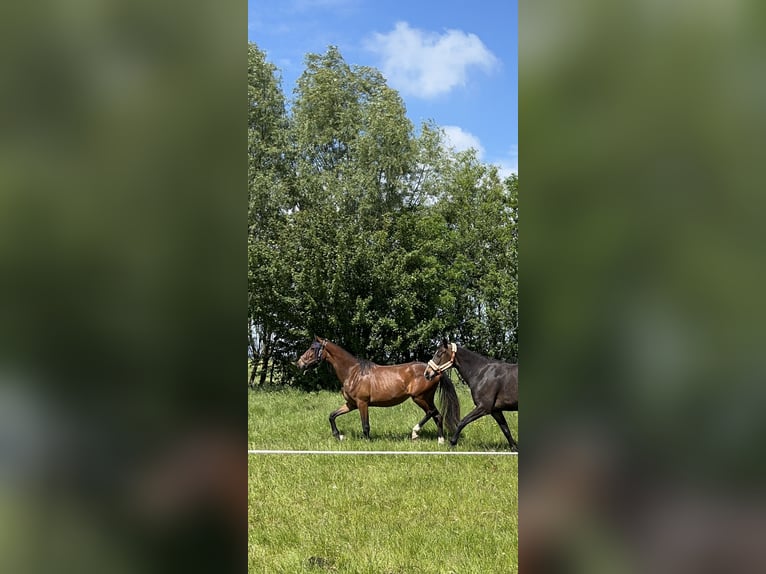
{"type": "Point", "coordinates": [355, 155]}
{"type": "Point", "coordinates": [481, 216]}
{"type": "Point", "coordinates": [367, 233]}
{"type": "Point", "coordinates": [269, 175]}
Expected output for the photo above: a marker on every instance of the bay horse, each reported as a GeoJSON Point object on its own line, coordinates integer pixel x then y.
{"type": "Point", "coordinates": [366, 384]}
{"type": "Point", "coordinates": [494, 384]}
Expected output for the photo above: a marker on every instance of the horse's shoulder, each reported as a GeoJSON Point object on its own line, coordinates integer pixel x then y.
{"type": "Point", "coordinates": [500, 370]}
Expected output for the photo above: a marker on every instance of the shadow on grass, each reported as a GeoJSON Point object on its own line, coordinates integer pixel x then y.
{"type": "Point", "coordinates": [394, 435]}
{"type": "Point", "coordinates": [321, 563]}
{"type": "Point", "coordinates": [499, 445]}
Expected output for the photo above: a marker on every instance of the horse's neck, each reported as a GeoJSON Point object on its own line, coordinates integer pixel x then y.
{"type": "Point", "coordinates": [341, 360]}
{"type": "Point", "coordinates": [467, 363]}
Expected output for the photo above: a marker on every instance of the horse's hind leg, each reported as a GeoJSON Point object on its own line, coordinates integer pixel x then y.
{"type": "Point", "coordinates": [429, 408]}
{"type": "Point", "coordinates": [500, 418]}
{"type": "Point", "coordinates": [336, 413]}
{"type": "Point", "coordinates": [364, 414]}
{"type": "Point", "coordinates": [417, 427]}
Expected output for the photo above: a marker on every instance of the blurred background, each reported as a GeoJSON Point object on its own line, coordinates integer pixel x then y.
{"type": "Point", "coordinates": [642, 280]}
{"type": "Point", "coordinates": [122, 286]}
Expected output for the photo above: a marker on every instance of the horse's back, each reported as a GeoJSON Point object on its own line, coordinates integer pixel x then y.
{"type": "Point", "coordinates": [414, 367]}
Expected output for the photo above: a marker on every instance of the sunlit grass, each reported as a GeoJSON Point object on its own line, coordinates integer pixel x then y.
{"type": "Point", "coordinates": [384, 514]}
{"type": "Point", "coordinates": [286, 418]}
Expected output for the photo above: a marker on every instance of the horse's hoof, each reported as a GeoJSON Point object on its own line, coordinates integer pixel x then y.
{"type": "Point", "coordinates": [415, 435]}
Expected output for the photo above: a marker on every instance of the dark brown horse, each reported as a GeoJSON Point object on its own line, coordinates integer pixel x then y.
{"type": "Point", "coordinates": [366, 384]}
{"type": "Point", "coordinates": [494, 384]}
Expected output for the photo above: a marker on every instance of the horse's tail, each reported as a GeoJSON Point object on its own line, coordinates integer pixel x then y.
{"type": "Point", "coordinates": [449, 403]}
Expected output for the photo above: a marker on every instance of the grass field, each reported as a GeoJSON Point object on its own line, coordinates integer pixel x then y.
{"type": "Point", "coordinates": [386, 514]}
{"type": "Point", "coordinates": [292, 419]}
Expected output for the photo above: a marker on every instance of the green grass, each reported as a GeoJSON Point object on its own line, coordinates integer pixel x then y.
{"type": "Point", "coordinates": [292, 419]}
{"type": "Point", "coordinates": [376, 514]}
{"type": "Point", "coordinates": [383, 514]}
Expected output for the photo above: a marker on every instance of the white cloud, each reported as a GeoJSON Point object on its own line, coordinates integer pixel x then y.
{"type": "Point", "coordinates": [426, 64]}
{"type": "Point", "coordinates": [510, 163]}
{"type": "Point", "coordinates": [506, 168]}
{"type": "Point", "coordinates": [462, 140]}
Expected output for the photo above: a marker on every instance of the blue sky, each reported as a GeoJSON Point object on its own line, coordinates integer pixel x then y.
{"type": "Point", "coordinates": [453, 61]}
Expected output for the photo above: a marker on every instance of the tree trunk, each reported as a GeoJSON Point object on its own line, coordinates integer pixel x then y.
{"type": "Point", "coordinates": [251, 382]}
{"type": "Point", "coordinates": [265, 363]}
{"type": "Point", "coordinates": [253, 353]}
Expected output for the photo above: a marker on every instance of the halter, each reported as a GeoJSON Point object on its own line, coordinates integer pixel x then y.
{"type": "Point", "coordinates": [444, 366]}
{"type": "Point", "coordinates": [318, 348]}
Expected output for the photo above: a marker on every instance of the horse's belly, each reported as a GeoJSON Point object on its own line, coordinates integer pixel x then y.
{"type": "Point", "coordinates": [388, 392]}
{"type": "Point", "coordinates": [507, 406]}
{"type": "Point", "coordinates": [389, 402]}
{"type": "Point", "coordinates": [505, 403]}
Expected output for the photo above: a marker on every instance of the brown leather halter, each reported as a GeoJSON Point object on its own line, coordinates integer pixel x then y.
{"type": "Point", "coordinates": [444, 366]}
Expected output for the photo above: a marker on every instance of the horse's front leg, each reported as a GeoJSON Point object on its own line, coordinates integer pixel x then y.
{"type": "Point", "coordinates": [336, 413]}
{"type": "Point", "coordinates": [476, 413]}
{"type": "Point", "coordinates": [364, 414]}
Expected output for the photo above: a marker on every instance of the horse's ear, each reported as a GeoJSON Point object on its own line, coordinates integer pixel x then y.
{"type": "Point", "coordinates": [316, 338]}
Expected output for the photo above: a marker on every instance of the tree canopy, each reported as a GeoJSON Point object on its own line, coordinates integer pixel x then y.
{"type": "Point", "coordinates": [366, 231]}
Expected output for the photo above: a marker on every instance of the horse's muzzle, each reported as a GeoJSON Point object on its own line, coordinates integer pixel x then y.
{"type": "Point", "coordinates": [305, 366]}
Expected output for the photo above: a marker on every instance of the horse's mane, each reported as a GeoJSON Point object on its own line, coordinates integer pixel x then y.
{"type": "Point", "coordinates": [365, 366]}
{"type": "Point", "coordinates": [482, 358]}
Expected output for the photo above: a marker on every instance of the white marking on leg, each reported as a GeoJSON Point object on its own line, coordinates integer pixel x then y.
{"type": "Point", "coordinates": [441, 440]}
{"type": "Point", "coordinates": [415, 430]}
{"type": "Point", "coordinates": [341, 436]}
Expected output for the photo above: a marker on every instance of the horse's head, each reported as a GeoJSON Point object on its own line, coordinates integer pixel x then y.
{"type": "Point", "coordinates": [443, 359]}
{"type": "Point", "coordinates": [313, 355]}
